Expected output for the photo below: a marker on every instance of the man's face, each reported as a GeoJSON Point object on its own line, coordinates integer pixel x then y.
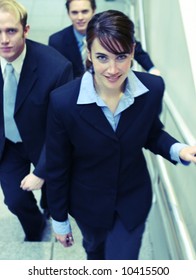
{"type": "Point", "coordinates": [80, 13]}
{"type": "Point", "coordinates": [12, 36]}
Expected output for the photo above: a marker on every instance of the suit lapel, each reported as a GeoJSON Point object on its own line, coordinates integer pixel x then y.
{"type": "Point", "coordinates": [93, 115]}
{"type": "Point", "coordinates": [129, 116]}
{"type": "Point", "coordinates": [27, 79]}
{"type": "Point", "coordinates": [1, 89]}
{"type": "Point", "coordinates": [1, 99]}
{"type": "Point", "coordinates": [73, 49]}
{"type": "Point", "coordinates": [2, 135]}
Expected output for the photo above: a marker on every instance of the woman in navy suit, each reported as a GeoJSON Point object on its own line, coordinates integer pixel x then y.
{"type": "Point", "coordinates": [97, 127]}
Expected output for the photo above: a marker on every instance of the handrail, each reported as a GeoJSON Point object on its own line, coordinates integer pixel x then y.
{"type": "Point", "coordinates": [187, 249]}
{"type": "Point", "coordinates": [181, 125]}
{"type": "Point", "coordinates": [188, 18]}
{"type": "Point", "coordinates": [142, 29]}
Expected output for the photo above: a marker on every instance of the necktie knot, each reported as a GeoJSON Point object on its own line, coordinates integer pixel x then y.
{"type": "Point", "coordinates": [9, 68]}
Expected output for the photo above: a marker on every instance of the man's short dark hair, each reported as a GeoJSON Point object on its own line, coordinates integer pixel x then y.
{"type": "Point", "coordinates": [92, 2]}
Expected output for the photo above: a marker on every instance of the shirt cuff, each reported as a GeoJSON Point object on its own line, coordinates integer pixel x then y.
{"type": "Point", "coordinates": [175, 151]}
{"type": "Point", "coordinates": [151, 69]}
{"type": "Point", "coordinates": [61, 227]}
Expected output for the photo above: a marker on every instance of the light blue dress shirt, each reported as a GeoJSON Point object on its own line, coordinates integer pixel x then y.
{"type": "Point", "coordinates": [79, 39]}
{"type": "Point", "coordinates": [88, 95]}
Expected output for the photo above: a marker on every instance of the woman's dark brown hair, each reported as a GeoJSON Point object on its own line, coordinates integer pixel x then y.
{"type": "Point", "coordinates": [113, 29]}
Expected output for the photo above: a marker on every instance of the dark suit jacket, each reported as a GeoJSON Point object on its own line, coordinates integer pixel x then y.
{"type": "Point", "coordinates": [93, 171]}
{"type": "Point", "coordinates": [65, 42]}
{"type": "Point", "coordinates": [44, 69]}
{"type": "Point", "coordinates": [142, 57]}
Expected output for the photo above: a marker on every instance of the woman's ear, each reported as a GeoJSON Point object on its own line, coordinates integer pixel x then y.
{"type": "Point", "coordinates": [89, 55]}
{"type": "Point", "coordinates": [133, 51]}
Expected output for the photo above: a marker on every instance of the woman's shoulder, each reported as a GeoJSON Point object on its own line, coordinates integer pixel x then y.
{"type": "Point", "coordinates": [155, 84]}
{"type": "Point", "coordinates": [150, 81]}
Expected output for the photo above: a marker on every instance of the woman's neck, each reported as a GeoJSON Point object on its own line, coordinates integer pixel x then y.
{"type": "Point", "coordinates": [103, 91]}
{"type": "Point", "coordinates": [111, 97]}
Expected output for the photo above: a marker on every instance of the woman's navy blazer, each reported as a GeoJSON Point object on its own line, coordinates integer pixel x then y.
{"type": "Point", "coordinates": [95, 172]}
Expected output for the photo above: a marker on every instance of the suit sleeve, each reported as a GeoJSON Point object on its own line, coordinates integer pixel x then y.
{"type": "Point", "coordinates": [142, 57]}
{"type": "Point", "coordinates": [65, 75]}
{"type": "Point", "coordinates": [160, 141]}
{"type": "Point", "coordinates": [54, 42]}
{"type": "Point", "coordinates": [58, 162]}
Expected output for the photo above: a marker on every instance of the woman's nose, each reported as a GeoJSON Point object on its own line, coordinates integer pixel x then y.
{"type": "Point", "coordinates": [112, 67]}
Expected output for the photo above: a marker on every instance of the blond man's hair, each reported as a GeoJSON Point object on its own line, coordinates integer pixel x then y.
{"type": "Point", "coordinates": [15, 8]}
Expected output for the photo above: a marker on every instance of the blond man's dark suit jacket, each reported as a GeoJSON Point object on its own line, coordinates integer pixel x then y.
{"type": "Point", "coordinates": [39, 76]}
{"type": "Point", "coordinates": [43, 70]}
{"type": "Point", "coordinates": [93, 171]}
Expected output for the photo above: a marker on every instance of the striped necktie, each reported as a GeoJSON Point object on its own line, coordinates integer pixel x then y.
{"type": "Point", "coordinates": [9, 98]}
{"type": "Point", "coordinates": [84, 52]}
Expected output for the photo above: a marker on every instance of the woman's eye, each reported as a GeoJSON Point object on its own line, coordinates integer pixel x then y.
{"type": "Point", "coordinates": [102, 58]}
{"type": "Point", "coordinates": [121, 57]}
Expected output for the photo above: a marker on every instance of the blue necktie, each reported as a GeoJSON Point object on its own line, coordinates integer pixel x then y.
{"type": "Point", "coordinates": [9, 98]}
{"type": "Point", "coordinates": [84, 52]}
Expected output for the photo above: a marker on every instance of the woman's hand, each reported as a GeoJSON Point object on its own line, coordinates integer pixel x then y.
{"type": "Point", "coordinates": [188, 153]}
{"type": "Point", "coordinates": [66, 240]}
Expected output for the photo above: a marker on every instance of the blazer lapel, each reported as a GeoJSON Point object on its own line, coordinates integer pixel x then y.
{"type": "Point", "coordinates": [92, 114]}
{"type": "Point", "coordinates": [129, 117]}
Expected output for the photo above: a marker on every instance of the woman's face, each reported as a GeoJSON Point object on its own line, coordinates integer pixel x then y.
{"type": "Point", "coordinates": [110, 69]}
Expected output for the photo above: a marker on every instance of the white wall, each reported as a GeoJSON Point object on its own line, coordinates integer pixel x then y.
{"type": "Point", "coordinates": [172, 49]}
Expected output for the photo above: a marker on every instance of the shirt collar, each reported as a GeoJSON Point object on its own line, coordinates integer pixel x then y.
{"type": "Point", "coordinates": [17, 63]}
{"type": "Point", "coordinates": [134, 87]}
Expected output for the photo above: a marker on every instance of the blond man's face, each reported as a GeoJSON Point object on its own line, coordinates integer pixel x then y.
{"type": "Point", "coordinates": [12, 36]}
